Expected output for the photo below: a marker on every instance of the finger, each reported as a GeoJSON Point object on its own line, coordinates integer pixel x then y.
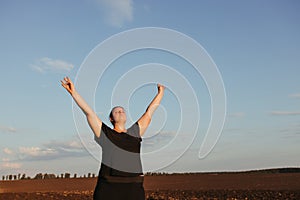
{"type": "Point", "coordinates": [63, 82]}
{"type": "Point", "coordinates": [64, 85]}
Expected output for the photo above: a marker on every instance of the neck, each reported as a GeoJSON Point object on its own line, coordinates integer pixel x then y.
{"type": "Point", "coordinates": [120, 128]}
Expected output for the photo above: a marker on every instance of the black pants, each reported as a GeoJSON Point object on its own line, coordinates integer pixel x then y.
{"type": "Point", "coordinates": [119, 191]}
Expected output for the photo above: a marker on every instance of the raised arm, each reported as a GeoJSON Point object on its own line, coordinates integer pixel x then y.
{"type": "Point", "coordinates": [93, 120]}
{"type": "Point", "coordinates": [145, 120]}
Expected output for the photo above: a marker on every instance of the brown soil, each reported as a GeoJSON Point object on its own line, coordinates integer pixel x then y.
{"type": "Point", "coordinates": [195, 186]}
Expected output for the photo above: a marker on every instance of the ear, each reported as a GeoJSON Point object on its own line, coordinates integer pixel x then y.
{"type": "Point", "coordinates": [111, 120]}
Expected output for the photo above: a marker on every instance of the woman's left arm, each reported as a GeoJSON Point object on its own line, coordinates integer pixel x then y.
{"type": "Point", "coordinates": [145, 120]}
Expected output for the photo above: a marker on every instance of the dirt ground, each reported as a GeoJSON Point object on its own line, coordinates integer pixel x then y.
{"type": "Point", "coordinates": [195, 186]}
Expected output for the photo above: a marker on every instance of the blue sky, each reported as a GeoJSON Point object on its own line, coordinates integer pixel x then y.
{"type": "Point", "coordinates": [255, 45]}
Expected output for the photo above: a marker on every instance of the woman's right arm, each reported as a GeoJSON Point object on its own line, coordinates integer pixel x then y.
{"type": "Point", "coordinates": [93, 120]}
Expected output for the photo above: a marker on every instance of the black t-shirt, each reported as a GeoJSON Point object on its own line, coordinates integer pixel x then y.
{"type": "Point", "coordinates": [120, 152]}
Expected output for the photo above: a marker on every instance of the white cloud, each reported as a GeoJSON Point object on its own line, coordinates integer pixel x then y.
{"type": "Point", "coordinates": [45, 64]}
{"type": "Point", "coordinates": [37, 151]}
{"type": "Point", "coordinates": [159, 139]}
{"type": "Point", "coordinates": [232, 129]}
{"type": "Point", "coordinates": [8, 129]}
{"type": "Point", "coordinates": [8, 151]}
{"type": "Point", "coordinates": [65, 146]}
{"type": "Point", "coordinates": [285, 113]}
{"type": "Point", "coordinates": [9, 165]}
{"type": "Point", "coordinates": [237, 115]}
{"type": "Point", "coordinates": [5, 159]}
{"type": "Point", "coordinates": [295, 95]}
{"type": "Point", "coordinates": [53, 150]}
{"type": "Point", "coordinates": [117, 12]}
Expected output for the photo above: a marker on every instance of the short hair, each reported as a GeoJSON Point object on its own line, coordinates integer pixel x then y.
{"type": "Point", "coordinates": [111, 116]}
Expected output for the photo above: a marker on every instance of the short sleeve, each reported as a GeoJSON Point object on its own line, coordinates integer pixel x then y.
{"type": "Point", "coordinates": [134, 131]}
{"type": "Point", "coordinates": [104, 129]}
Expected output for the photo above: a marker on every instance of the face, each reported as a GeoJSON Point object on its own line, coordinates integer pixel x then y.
{"type": "Point", "coordinates": [119, 115]}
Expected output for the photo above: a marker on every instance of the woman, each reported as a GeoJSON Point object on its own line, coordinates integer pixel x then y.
{"type": "Point", "coordinates": [120, 175]}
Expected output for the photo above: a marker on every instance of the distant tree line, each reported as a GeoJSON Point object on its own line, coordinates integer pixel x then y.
{"type": "Point", "coordinates": [90, 175]}
{"type": "Point", "coordinates": [273, 171]}
{"type": "Point", "coordinates": [45, 176]}
{"type": "Point", "coordinates": [167, 174]}
{"type": "Point", "coordinates": [15, 177]}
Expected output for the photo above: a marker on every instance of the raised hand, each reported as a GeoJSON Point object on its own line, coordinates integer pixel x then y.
{"type": "Point", "coordinates": [68, 85]}
{"type": "Point", "coordinates": [160, 88]}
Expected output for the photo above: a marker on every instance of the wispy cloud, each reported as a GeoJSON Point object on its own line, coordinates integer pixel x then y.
{"type": "Point", "coordinates": [159, 139]}
{"type": "Point", "coordinates": [5, 159]}
{"type": "Point", "coordinates": [8, 151]}
{"type": "Point", "coordinates": [285, 113]}
{"type": "Point", "coordinates": [8, 129]}
{"type": "Point", "coordinates": [237, 115]}
{"type": "Point", "coordinates": [8, 164]}
{"type": "Point", "coordinates": [53, 150]}
{"type": "Point", "coordinates": [11, 165]}
{"type": "Point", "coordinates": [46, 64]}
{"type": "Point", "coordinates": [117, 12]}
{"type": "Point", "coordinates": [37, 151]}
{"type": "Point", "coordinates": [294, 95]}
{"type": "Point", "coordinates": [291, 131]}
{"type": "Point", "coordinates": [232, 129]}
